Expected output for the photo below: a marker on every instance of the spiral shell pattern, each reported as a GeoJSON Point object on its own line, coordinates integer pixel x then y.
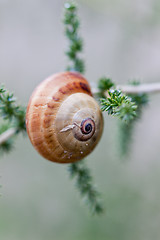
{"type": "Point", "coordinates": [64, 122]}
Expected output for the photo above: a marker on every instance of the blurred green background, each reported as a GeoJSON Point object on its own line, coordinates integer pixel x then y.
{"type": "Point", "coordinates": [122, 41]}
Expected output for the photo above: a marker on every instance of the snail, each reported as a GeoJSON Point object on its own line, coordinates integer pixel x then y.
{"type": "Point", "coordinates": [63, 121]}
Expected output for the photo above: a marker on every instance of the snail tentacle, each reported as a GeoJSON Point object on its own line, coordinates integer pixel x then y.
{"type": "Point", "coordinates": [69, 127]}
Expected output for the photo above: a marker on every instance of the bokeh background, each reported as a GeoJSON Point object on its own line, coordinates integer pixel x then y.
{"type": "Point", "coordinates": [39, 201]}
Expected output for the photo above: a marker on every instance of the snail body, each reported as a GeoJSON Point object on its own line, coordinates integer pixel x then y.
{"type": "Point", "coordinates": [64, 122]}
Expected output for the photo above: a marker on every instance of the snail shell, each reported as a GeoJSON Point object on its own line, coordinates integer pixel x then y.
{"type": "Point", "coordinates": [63, 121]}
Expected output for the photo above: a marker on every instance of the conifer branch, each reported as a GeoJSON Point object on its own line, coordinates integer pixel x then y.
{"type": "Point", "coordinates": [12, 119]}
{"type": "Point", "coordinates": [72, 24]}
{"type": "Point", "coordinates": [84, 183]}
{"type": "Point", "coordinates": [126, 130]}
{"type": "Point", "coordinates": [120, 105]}
{"type": "Point", "coordinates": [127, 108]}
{"type": "Point", "coordinates": [79, 170]}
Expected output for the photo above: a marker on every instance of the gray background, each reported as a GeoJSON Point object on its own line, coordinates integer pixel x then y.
{"type": "Point", "coordinates": [122, 41]}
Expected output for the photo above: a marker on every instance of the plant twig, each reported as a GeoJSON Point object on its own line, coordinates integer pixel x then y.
{"type": "Point", "coordinates": [141, 88]}
{"type": "Point", "coordinates": [134, 89]}
{"type": "Point", "coordinates": [7, 135]}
